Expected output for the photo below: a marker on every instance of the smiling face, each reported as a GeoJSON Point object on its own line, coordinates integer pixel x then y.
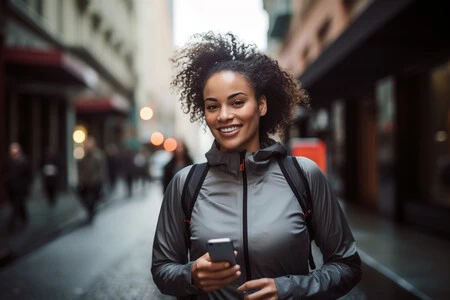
{"type": "Point", "coordinates": [232, 111]}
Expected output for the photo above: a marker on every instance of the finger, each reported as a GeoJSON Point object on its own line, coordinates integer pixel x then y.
{"type": "Point", "coordinates": [249, 285]}
{"type": "Point", "coordinates": [253, 284]}
{"type": "Point", "coordinates": [218, 266]}
{"type": "Point", "coordinates": [206, 279]}
{"type": "Point", "coordinates": [214, 284]}
{"type": "Point", "coordinates": [223, 273]}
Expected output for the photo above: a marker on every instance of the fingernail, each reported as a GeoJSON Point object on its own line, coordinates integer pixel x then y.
{"type": "Point", "coordinates": [238, 273]}
{"type": "Point", "coordinates": [226, 265]}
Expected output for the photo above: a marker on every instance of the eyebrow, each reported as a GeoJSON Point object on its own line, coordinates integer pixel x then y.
{"type": "Point", "coordinates": [229, 97]}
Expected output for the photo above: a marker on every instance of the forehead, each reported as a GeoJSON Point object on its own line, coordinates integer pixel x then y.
{"type": "Point", "coordinates": [227, 82]}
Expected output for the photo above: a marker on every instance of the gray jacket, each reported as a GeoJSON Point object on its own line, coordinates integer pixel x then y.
{"type": "Point", "coordinates": [257, 209]}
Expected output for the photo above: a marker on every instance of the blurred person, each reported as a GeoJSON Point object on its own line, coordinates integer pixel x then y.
{"type": "Point", "coordinates": [18, 181]}
{"type": "Point", "coordinates": [141, 165]}
{"type": "Point", "coordinates": [243, 96]}
{"type": "Point", "coordinates": [129, 171]}
{"type": "Point", "coordinates": [91, 176]}
{"type": "Point", "coordinates": [50, 173]}
{"type": "Point", "coordinates": [113, 163]}
{"type": "Point", "coordinates": [180, 159]}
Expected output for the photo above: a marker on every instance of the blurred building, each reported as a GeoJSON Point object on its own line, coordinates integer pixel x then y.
{"type": "Point", "coordinates": [66, 65]}
{"type": "Point", "coordinates": [155, 71]}
{"type": "Point", "coordinates": [155, 36]}
{"type": "Point", "coordinates": [378, 73]}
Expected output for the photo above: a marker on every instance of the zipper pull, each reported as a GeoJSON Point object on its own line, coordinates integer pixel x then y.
{"type": "Point", "coordinates": [242, 165]}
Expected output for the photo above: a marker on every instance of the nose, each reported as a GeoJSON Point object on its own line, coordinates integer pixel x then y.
{"type": "Point", "coordinates": [224, 114]}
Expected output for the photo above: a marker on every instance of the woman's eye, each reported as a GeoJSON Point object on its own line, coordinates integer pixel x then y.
{"type": "Point", "coordinates": [211, 106]}
{"type": "Point", "coordinates": [238, 102]}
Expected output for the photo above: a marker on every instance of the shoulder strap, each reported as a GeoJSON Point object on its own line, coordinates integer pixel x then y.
{"type": "Point", "coordinates": [191, 188]}
{"type": "Point", "coordinates": [298, 182]}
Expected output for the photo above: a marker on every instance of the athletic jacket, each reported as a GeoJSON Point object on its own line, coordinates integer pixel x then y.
{"type": "Point", "coordinates": [246, 198]}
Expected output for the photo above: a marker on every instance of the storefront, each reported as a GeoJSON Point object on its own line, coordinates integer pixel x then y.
{"type": "Point", "coordinates": [385, 84]}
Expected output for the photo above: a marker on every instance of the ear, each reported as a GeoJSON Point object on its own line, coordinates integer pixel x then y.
{"type": "Point", "coordinates": [262, 103]}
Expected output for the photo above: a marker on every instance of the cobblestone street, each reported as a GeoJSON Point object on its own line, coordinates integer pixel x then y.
{"type": "Point", "coordinates": [128, 278]}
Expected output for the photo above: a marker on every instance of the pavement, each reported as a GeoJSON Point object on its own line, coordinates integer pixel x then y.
{"type": "Point", "coordinates": [47, 223]}
{"type": "Point", "coordinates": [415, 260]}
{"type": "Point", "coordinates": [399, 262]}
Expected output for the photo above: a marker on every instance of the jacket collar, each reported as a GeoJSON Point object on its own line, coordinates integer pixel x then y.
{"type": "Point", "coordinates": [256, 163]}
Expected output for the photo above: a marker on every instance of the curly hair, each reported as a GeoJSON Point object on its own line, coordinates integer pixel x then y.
{"type": "Point", "coordinates": [210, 53]}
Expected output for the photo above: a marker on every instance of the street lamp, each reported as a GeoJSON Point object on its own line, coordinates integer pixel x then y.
{"type": "Point", "coordinates": [170, 144]}
{"type": "Point", "coordinates": [157, 138]}
{"type": "Point", "coordinates": [146, 113]}
{"type": "Point", "coordinates": [79, 135]}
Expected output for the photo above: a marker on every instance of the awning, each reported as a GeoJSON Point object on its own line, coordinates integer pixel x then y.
{"type": "Point", "coordinates": [47, 66]}
{"type": "Point", "coordinates": [389, 38]}
{"type": "Point", "coordinates": [109, 104]}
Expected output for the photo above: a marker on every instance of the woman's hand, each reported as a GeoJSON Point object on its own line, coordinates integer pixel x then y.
{"type": "Point", "coordinates": [263, 288]}
{"type": "Point", "coordinates": [211, 276]}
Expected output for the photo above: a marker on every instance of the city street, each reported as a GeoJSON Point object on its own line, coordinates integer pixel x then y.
{"type": "Point", "coordinates": [110, 259]}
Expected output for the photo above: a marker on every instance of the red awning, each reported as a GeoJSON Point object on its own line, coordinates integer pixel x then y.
{"type": "Point", "coordinates": [109, 104]}
{"type": "Point", "coordinates": [47, 66]}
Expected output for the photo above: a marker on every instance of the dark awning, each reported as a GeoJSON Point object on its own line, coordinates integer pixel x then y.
{"type": "Point", "coordinates": [95, 105]}
{"type": "Point", "coordinates": [52, 66]}
{"type": "Point", "coordinates": [388, 38]}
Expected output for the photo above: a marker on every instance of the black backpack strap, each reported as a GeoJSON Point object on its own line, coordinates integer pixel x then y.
{"type": "Point", "coordinates": [298, 182]}
{"type": "Point", "coordinates": [191, 188]}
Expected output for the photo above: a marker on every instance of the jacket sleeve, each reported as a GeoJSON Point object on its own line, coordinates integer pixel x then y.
{"type": "Point", "coordinates": [341, 270]}
{"type": "Point", "coordinates": [171, 269]}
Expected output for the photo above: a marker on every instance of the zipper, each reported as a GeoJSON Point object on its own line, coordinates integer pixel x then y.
{"type": "Point", "coordinates": [243, 170]}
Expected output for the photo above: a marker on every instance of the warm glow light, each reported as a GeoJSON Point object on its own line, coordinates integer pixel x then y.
{"type": "Point", "coordinates": [170, 144]}
{"type": "Point", "coordinates": [78, 152]}
{"type": "Point", "coordinates": [146, 113]}
{"type": "Point", "coordinates": [79, 136]}
{"type": "Point", "coordinates": [157, 138]}
{"type": "Point", "coordinates": [441, 136]}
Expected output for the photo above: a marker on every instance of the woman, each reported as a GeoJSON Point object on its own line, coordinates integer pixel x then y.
{"type": "Point", "coordinates": [244, 96]}
{"type": "Point", "coordinates": [180, 159]}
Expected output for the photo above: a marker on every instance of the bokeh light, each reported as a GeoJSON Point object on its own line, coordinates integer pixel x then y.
{"type": "Point", "coordinates": [78, 152]}
{"type": "Point", "coordinates": [146, 113]}
{"type": "Point", "coordinates": [79, 136]}
{"type": "Point", "coordinates": [157, 138]}
{"type": "Point", "coordinates": [170, 144]}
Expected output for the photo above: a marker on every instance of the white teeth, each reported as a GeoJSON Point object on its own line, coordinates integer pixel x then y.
{"type": "Point", "coordinates": [228, 129]}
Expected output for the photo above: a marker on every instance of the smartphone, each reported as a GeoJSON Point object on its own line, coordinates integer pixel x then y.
{"type": "Point", "coordinates": [221, 250]}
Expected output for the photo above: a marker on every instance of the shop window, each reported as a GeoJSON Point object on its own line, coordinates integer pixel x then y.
{"type": "Point", "coordinates": [438, 156]}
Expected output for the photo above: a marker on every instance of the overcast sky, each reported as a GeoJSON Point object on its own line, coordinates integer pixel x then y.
{"type": "Point", "coordinates": [245, 18]}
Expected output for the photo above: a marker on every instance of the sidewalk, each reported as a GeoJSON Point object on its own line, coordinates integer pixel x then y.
{"type": "Point", "coordinates": [416, 261]}
{"type": "Point", "coordinates": [45, 222]}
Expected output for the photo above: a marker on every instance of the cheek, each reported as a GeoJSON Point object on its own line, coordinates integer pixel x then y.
{"type": "Point", "coordinates": [209, 119]}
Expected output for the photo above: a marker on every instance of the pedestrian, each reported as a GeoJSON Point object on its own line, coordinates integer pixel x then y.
{"type": "Point", "coordinates": [50, 173]}
{"type": "Point", "coordinates": [141, 165]}
{"type": "Point", "coordinates": [129, 171]}
{"type": "Point", "coordinates": [113, 162]}
{"type": "Point", "coordinates": [180, 159]}
{"type": "Point", "coordinates": [18, 179]}
{"type": "Point", "coordinates": [91, 176]}
{"type": "Point", "coordinates": [243, 96]}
